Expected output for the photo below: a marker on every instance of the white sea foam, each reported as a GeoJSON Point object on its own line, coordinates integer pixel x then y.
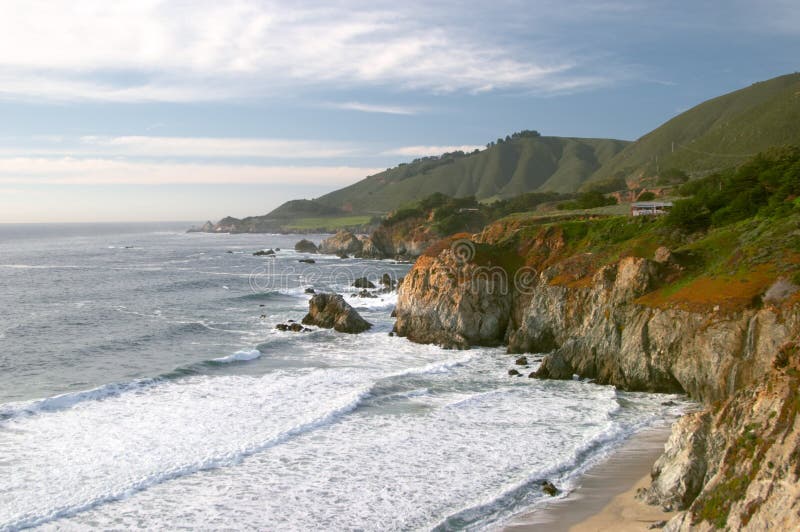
{"type": "Point", "coordinates": [240, 356]}
{"type": "Point", "coordinates": [68, 400]}
{"type": "Point", "coordinates": [103, 451]}
{"type": "Point", "coordinates": [292, 450]}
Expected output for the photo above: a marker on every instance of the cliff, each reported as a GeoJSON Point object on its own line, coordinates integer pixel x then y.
{"type": "Point", "coordinates": [638, 305]}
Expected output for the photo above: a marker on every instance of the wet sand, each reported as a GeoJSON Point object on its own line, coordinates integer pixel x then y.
{"type": "Point", "coordinates": [604, 500]}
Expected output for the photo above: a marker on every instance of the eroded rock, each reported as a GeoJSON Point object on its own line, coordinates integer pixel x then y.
{"type": "Point", "coordinates": [331, 311]}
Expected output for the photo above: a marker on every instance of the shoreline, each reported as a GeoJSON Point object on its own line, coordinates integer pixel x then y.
{"type": "Point", "coordinates": [604, 499]}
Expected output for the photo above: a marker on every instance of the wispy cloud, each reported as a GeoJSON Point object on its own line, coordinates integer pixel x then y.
{"type": "Point", "coordinates": [145, 146]}
{"type": "Point", "coordinates": [426, 151]}
{"type": "Point", "coordinates": [376, 108]}
{"type": "Point", "coordinates": [73, 171]}
{"type": "Point", "coordinates": [138, 146]}
{"type": "Point", "coordinates": [132, 50]}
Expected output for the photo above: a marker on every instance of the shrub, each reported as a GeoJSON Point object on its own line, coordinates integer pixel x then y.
{"type": "Point", "coordinates": [689, 215]}
{"type": "Point", "coordinates": [646, 196]}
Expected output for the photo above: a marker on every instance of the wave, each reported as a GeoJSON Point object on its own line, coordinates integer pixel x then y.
{"type": "Point", "coordinates": [70, 399]}
{"type": "Point", "coordinates": [239, 356]}
{"type": "Point", "coordinates": [224, 459]}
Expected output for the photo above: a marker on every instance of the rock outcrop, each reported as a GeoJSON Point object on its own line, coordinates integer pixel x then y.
{"type": "Point", "coordinates": [404, 239]}
{"type": "Point", "coordinates": [342, 243]}
{"type": "Point", "coordinates": [452, 302]}
{"type": "Point", "coordinates": [734, 464]}
{"type": "Point", "coordinates": [331, 311]}
{"type": "Point", "coordinates": [306, 246]}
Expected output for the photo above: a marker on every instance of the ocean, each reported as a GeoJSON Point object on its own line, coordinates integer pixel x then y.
{"type": "Point", "coordinates": [143, 385]}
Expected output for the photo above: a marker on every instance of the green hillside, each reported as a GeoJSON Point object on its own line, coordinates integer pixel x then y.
{"type": "Point", "coordinates": [506, 169]}
{"type": "Point", "coordinates": [716, 134]}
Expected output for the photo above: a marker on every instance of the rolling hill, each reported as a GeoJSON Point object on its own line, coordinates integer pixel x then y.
{"type": "Point", "coordinates": [720, 133]}
{"type": "Point", "coordinates": [715, 134]}
{"type": "Point", "coordinates": [515, 166]}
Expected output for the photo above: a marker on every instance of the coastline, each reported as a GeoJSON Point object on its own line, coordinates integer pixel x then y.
{"type": "Point", "coordinates": [604, 498]}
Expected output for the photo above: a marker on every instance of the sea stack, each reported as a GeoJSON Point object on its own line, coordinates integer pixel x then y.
{"type": "Point", "coordinates": [331, 311]}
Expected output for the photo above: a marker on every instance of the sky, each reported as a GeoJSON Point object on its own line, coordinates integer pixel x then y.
{"type": "Point", "coordinates": [194, 110]}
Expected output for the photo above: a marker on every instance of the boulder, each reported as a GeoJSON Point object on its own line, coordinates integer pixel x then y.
{"type": "Point", "coordinates": [365, 294]}
{"type": "Point", "coordinates": [310, 291]}
{"type": "Point", "coordinates": [521, 361]}
{"type": "Point", "coordinates": [780, 291]}
{"type": "Point", "coordinates": [292, 327]}
{"type": "Point", "coordinates": [306, 246]}
{"type": "Point", "coordinates": [388, 282]}
{"type": "Point", "coordinates": [549, 488]}
{"type": "Point", "coordinates": [679, 474]}
{"type": "Point", "coordinates": [363, 282]}
{"type": "Point", "coordinates": [663, 255]}
{"type": "Point", "coordinates": [331, 311]}
{"type": "Point", "coordinates": [514, 373]}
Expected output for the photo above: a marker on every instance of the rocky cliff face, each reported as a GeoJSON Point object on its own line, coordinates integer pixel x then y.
{"type": "Point", "coordinates": [737, 466]}
{"type": "Point", "coordinates": [595, 322]}
{"type": "Point", "coordinates": [453, 302]}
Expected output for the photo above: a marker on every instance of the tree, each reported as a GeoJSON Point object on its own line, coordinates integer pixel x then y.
{"type": "Point", "coordinates": [646, 196]}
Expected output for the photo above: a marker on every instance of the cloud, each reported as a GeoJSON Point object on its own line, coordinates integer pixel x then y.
{"type": "Point", "coordinates": [149, 50]}
{"type": "Point", "coordinates": [73, 171]}
{"type": "Point", "coordinates": [143, 146]}
{"type": "Point", "coordinates": [373, 108]}
{"type": "Point", "coordinates": [427, 151]}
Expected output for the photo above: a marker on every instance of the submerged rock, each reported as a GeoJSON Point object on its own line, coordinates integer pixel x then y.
{"type": "Point", "coordinates": [292, 326]}
{"type": "Point", "coordinates": [264, 252]}
{"type": "Point", "coordinates": [514, 373]}
{"type": "Point", "coordinates": [307, 261]}
{"type": "Point", "coordinates": [331, 311]}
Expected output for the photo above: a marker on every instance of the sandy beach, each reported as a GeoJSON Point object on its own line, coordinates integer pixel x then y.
{"type": "Point", "coordinates": [604, 500]}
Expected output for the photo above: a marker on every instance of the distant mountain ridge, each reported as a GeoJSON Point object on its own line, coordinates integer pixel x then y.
{"type": "Point", "coordinates": [716, 134]}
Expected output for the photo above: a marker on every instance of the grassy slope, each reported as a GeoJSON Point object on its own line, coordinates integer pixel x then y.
{"type": "Point", "coordinates": [717, 133]}
{"type": "Point", "coordinates": [327, 224]}
{"type": "Point", "coordinates": [507, 169]}
{"type": "Point", "coordinates": [727, 267]}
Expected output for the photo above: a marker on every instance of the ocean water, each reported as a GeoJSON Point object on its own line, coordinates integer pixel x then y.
{"type": "Point", "coordinates": [143, 385]}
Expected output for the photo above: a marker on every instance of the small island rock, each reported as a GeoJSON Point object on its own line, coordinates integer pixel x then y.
{"type": "Point", "coordinates": [305, 246]}
{"type": "Point", "coordinates": [331, 311]}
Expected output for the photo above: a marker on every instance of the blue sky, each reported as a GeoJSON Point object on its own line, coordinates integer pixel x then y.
{"type": "Point", "coordinates": [157, 110]}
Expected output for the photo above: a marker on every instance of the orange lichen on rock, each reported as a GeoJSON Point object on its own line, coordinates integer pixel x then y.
{"type": "Point", "coordinates": [724, 292]}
